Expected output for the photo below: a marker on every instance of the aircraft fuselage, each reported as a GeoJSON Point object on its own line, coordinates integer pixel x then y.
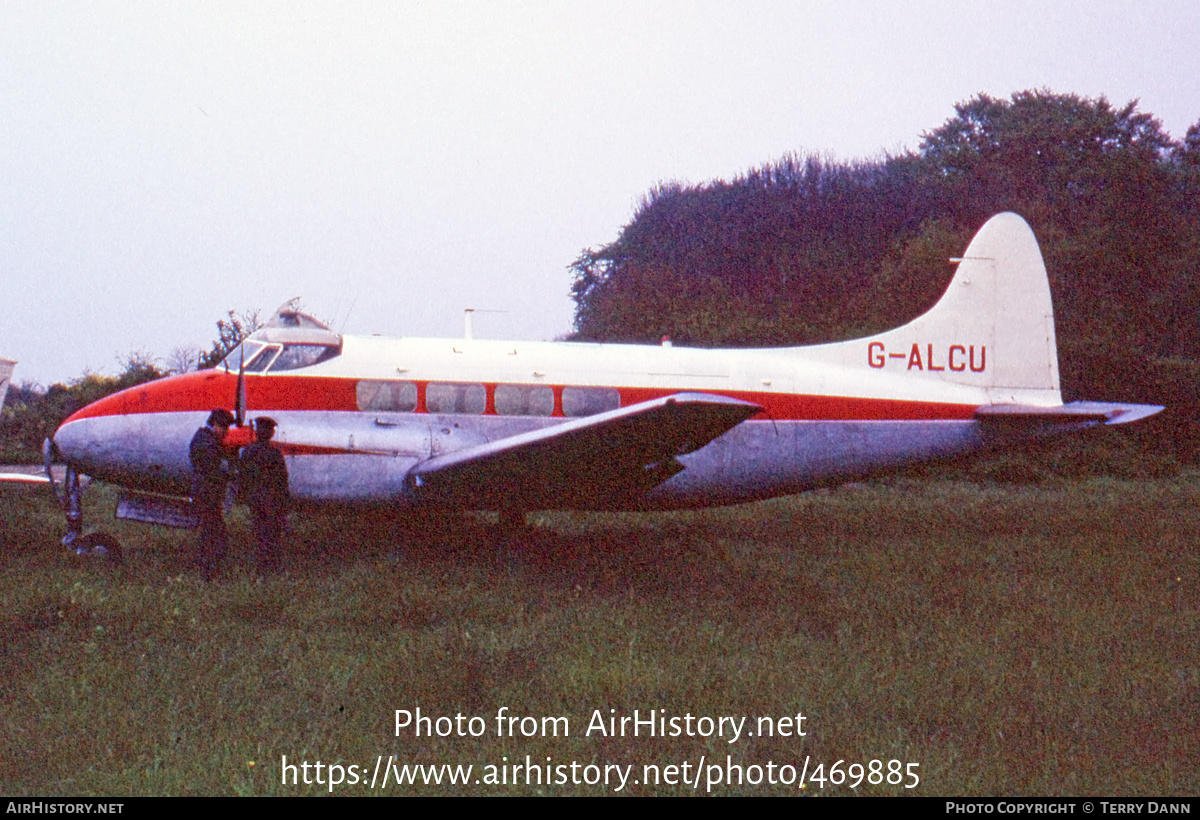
{"type": "Point", "coordinates": [354, 439]}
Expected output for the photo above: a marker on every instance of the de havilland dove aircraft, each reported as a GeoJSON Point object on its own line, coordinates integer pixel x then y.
{"type": "Point", "coordinates": [465, 424]}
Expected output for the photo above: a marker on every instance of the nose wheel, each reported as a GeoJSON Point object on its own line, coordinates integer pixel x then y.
{"type": "Point", "coordinates": [96, 544]}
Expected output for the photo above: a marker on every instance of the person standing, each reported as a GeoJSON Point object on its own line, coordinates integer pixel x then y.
{"type": "Point", "coordinates": [210, 474]}
{"type": "Point", "coordinates": [263, 476]}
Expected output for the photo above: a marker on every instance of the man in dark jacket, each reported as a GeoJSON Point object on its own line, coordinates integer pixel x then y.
{"type": "Point", "coordinates": [263, 476]}
{"type": "Point", "coordinates": [210, 474]}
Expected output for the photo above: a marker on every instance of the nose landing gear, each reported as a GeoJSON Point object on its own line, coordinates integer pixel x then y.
{"type": "Point", "coordinates": [96, 544]}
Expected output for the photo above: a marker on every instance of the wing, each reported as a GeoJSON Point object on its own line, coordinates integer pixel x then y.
{"type": "Point", "coordinates": [591, 462]}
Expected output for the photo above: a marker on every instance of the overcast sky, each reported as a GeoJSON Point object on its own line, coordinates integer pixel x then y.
{"type": "Point", "coordinates": [392, 163]}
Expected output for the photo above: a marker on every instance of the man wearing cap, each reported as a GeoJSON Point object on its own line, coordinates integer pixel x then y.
{"type": "Point", "coordinates": [263, 475]}
{"type": "Point", "coordinates": [210, 468]}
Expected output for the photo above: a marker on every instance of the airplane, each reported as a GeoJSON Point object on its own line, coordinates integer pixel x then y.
{"type": "Point", "coordinates": [6, 372]}
{"type": "Point", "coordinates": [415, 424]}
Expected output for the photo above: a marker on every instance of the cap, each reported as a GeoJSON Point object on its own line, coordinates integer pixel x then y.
{"type": "Point", "coordinates": [220, 416]}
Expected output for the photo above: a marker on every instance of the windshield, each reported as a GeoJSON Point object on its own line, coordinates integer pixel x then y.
{"type": "Point", "coordinates": [297, 356]}
{"type": "Point", "coordinates": [290, 340]}
{"type": "Point", "coordinates": [258, 357]}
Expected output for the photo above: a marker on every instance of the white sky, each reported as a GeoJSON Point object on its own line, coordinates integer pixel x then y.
{"type": "Point", "coordinates": [392, 163]}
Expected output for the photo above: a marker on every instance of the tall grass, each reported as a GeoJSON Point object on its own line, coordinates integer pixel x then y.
{"type": "Point", "coordinates": [1010, 639]}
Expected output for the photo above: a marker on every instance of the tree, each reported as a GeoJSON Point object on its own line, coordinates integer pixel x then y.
{"type": "Point", "coordinates": [138, 367]}
{"type": "Point", "coordinates": [1043, 151]}
{"type": "Point", "coordinates": [1187, 163]}
{"type": "Point", "coordinates": [184, 358]}
{"type": "Point", "coordinates": [231, 330]}
{"type": "Point", "coordinates": [769, 258]}
{"type": "Point", "coordinates": [1100, 185]}
{"type": "Point", "coordinates": [912, 277]}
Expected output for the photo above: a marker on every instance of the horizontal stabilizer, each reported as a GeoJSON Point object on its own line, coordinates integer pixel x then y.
{"type": "Point", "coordinates": [23, 478]}
{"type": "Point", "coordinates": [1073, 413]}
{"type": "Point", "coordinates": [586, 462]}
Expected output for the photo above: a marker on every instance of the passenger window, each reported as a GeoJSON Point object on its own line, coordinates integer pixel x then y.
{"type": "Point", "coordinates": [524, 400]}
{"type": "Point", "coordinates": [450, 397]}
{"type": "Point", "coordinates": [387, 397]}
{"type": "Point", "coordinates": [588, 401]}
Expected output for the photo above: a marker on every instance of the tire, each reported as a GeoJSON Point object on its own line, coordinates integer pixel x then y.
{"type": "Point", "coordinates": [100, 545]}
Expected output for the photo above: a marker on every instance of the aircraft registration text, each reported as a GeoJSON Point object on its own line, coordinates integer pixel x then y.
{"type": "Point", "coordinates": [956, 358]}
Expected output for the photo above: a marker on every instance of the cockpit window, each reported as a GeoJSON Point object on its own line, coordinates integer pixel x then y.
{"type": "Point", "coordinates": [262, 360]}
{"type": "Point", "coordinates": [241, 355]}
{"type": "Point", "coordinates": [297, 356]}
{"type": "Point", "coordinates": [256, 357]}
{"type": "Point", "coordinates": [290, 340]}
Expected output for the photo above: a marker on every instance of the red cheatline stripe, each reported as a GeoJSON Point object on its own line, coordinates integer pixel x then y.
{"type": "Point", "coordinates": [200, 392]}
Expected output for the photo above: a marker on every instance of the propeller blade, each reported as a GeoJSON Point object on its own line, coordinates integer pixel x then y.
{"type": "Point", "coordinates": [241, 391]}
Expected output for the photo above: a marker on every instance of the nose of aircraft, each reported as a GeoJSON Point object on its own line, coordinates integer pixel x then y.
{"type": "Point", "coordinates": [142, 451]}
{"type": "Point", "coordinates": [133, 436]}
{"type": "Point", "coordinates": [73, 443]}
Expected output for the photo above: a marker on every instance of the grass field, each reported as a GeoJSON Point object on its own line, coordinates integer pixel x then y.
{"type": "Point", "coordinates": [1010, 639]}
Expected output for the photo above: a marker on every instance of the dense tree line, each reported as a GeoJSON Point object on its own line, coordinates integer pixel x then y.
{"type": "Point", "coordinates": [806, 250]}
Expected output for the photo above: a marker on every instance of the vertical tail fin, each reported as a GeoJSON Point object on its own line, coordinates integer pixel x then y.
{"type": "Point", "coordinates": [988, 340]}
{"type": "Point", "coordinates": [999, 298]}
